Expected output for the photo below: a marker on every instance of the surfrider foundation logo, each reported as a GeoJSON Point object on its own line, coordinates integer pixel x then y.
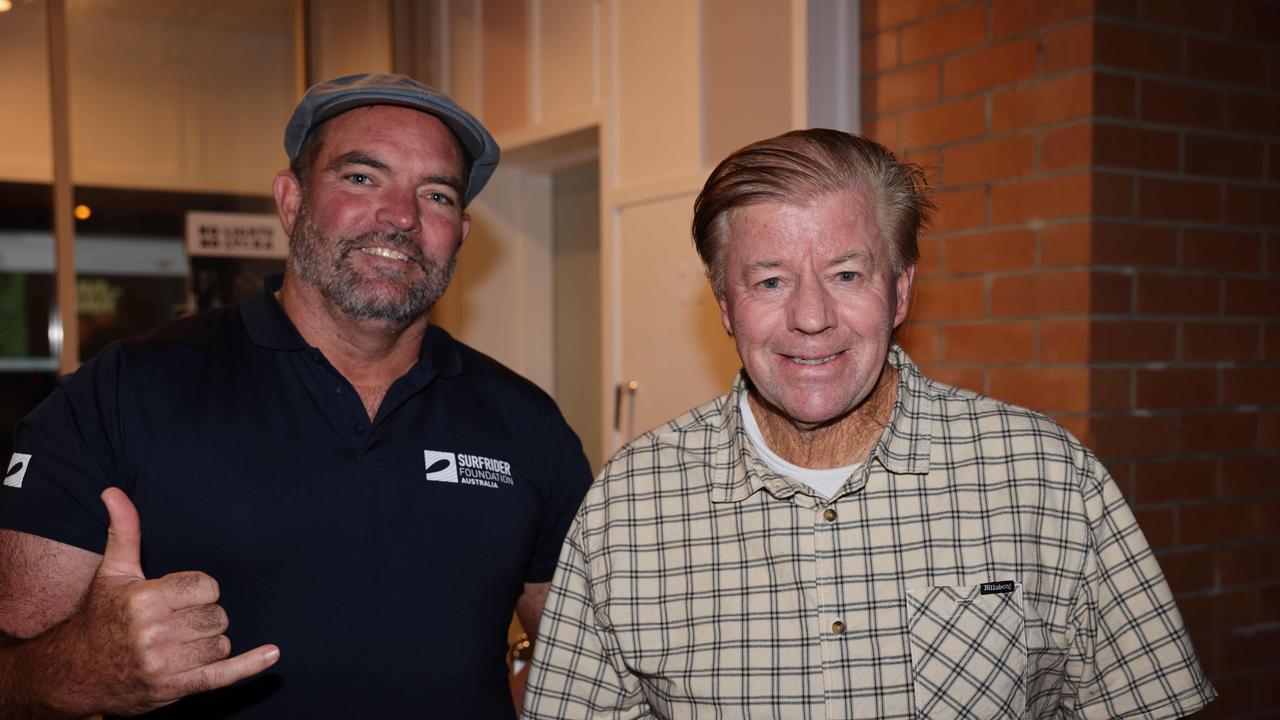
{"type": "Point", "coordinates": [442, 466]}
{"type": "Point", "coordinates": [17, 470]}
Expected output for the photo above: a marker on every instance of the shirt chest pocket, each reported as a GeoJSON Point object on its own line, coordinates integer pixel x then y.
{"type": "Point", "coordinates": [968, 651]}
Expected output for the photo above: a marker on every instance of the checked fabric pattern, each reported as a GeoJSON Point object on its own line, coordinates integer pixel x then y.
{"type": "Point", "coordinates": [697, 583]}
{"type": "Point", "coordinates": [967, 645]}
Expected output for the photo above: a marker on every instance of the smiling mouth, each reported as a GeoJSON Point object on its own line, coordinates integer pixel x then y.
{"type": "Point", "coordinates": [813, 361]}
{"type": "Point", "coordinates": [385, 253]}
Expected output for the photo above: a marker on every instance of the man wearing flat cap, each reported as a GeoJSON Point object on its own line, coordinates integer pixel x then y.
{"type": "Point", "coordinates": [312, 504]}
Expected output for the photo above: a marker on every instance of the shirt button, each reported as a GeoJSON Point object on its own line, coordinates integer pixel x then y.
{"type": "Point", "coordinates": [359, 428]}
{"type": "Point", "coordinates": [339, 390]}
{"type": "Point", "coordinates": [837, 627]}
{"type": "Point", "coordinates": [829, 514]}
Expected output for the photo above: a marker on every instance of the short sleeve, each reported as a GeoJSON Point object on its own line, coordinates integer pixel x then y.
{"type": "Point", "coordinates": [567, 477]}
{"type": "Point", "coordinates": [1131, 655]}
{"type": "Point", "coordinates": [573, 675]}
{"type": "Point", "coordinates": [68, 449]}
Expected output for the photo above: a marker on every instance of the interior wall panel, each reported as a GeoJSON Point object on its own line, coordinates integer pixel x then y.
{"type": "Point", "coordinates": [672, 342]}
{"type": "Point", "coordinates": [465, 46]}
{"type": "Point", "coordinates": [125, 132]}
{"type": "Point", "coordinates": [349, 37]}
{"type": "Point", "coordinates": [210, 116]}
{"type": "Point", "coordinates": [505, 69]}
{"type": "Point", "coordinates": [234, 148]}
{"type": "Point", "coordinates": [500, 300]}
{"type": "Point", "coordinates": [566, 58]}
{"type": "Point", "coordinates": [26, 141]}
{"type": "Point", "coordinates": [748, 73]}
{"type": "Point", "coordinates": [659, 107]}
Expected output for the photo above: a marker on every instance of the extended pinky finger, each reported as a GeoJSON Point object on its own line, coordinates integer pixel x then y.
{"type": "Point", "coordinates": [225, 672]}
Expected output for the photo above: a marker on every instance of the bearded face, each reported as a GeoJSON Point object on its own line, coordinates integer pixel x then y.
{"type": "Point", "coordinates": [396, 291]}
{"type": "Point", "coordinates": [376, 221]}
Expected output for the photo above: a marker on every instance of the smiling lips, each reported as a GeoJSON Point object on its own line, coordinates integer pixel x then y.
{"type": "Point", "coordinates": [813, 361]}
{"type": "Point", "coordinates": [385, 253]}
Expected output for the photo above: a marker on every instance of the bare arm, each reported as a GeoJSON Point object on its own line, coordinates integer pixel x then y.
{"type": "Point", "coordinates": [86, 633]}
{"type": "Point", "coordinates": [529, 606]}
{"type": "Point", "coordinates": [41, 582]}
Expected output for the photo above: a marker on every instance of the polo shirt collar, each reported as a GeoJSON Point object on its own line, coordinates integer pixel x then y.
{"type": "Point", "coordinates": [903, 447]}
{"type": "Point", "coordinates": [270, 327]}
{"type": "Point", "coordinates": [266, 321]}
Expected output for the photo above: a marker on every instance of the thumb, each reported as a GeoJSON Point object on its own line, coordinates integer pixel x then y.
{"type": "Point", "coordinates": [123, 554]}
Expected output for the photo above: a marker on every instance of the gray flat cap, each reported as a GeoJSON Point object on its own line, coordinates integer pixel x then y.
{"type": "Point", "coordinates": [337, 96]}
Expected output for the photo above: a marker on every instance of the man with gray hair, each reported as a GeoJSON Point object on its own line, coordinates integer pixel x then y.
{"type": "Point", "coordinates": [839, 536]}
{"type": "Point", "coordinates": [311, 504]}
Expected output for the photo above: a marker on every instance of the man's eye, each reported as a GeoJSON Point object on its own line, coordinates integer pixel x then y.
{"type": "Point", "coordinates": [359, 179]}
{"type": "Point", "coordinates": [438, 197]}
{"type": "Point", "coordinates": [847, 276]}
{"type": "Point", "coordinates": [770, 283]}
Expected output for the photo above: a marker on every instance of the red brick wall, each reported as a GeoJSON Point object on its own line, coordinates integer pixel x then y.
{"type": "Point", "coordinates": [1108, 251]}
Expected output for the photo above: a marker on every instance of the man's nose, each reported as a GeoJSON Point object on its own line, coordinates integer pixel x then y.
{"type": "Point", "coordinates": [811, 309]}
{"type": "Point", "coordinates": [399, 210]}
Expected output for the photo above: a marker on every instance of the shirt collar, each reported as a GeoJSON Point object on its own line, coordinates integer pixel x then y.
{"type": "Point", "coordinates": [903, 447]}
{"type": "Point", "coordinates": [270, 327]}
{"type": "Point", "coordinates": [267, 322]}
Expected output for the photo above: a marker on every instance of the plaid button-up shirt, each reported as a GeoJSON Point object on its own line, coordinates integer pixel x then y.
{"type": "Point", "coordinates": [981, 564]}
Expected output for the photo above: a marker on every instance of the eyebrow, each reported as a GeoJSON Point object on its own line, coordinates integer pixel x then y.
{"type": "Point", "coordinates": [851, 256]}
{"type": "Point", "coordinates": [356, 157]}
{"type": "Point", "coordinates": [446, 180]}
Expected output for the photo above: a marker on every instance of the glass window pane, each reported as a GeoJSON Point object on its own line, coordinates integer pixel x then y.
{"type": "Point", "coordinates": [175, 107]}
{"type": "Point", "coordinates": [27, 366]}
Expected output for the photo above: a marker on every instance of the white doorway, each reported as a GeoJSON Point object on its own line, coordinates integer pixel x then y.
{"type": "Point", "coordinates": [527, 290]}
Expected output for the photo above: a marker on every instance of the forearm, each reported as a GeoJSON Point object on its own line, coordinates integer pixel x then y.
{"type": "Point", "coordinates": [32, 682]}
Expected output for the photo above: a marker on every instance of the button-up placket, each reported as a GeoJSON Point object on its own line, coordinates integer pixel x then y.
{"type": "Point", "coordinates": [842, 622]}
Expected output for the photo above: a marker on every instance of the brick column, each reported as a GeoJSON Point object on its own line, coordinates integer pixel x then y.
{"type": "Point", "coordinates": [1108, 252]}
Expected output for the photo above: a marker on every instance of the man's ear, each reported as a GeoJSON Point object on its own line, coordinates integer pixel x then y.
{"type": "Point", "coordinates": [724, 313]}
{"type": "Point", "coordinates": [288, 193]}
{"type": "Point", "coordinates": [466, 228]}
{"type": "Point", "coordinates": [903, 286]}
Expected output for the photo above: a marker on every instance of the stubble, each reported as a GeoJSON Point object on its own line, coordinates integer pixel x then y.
{"type": "Point", "coordinates": [325, 263]}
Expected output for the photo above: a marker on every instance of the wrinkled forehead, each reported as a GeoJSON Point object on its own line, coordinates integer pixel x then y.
{"type": "Point", "coordinates": [830, 226]}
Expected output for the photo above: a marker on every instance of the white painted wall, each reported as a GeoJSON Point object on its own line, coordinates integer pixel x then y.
{"type": "Point", "coordinates": [163, 95]}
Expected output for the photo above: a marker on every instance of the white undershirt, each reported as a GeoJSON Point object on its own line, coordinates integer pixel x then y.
{"type": "Point", "coordinates": [825, 482]}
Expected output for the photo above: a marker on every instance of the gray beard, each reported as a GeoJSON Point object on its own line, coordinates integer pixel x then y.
{"type": "Point", "coordinates": [324, 262]}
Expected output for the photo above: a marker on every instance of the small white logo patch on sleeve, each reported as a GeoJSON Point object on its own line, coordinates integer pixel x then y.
{"type": "Point", "coordinates": [17, 470]}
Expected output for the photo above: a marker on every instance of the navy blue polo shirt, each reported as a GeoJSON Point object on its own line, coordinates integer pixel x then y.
{"type": "Point", "coordinates": [384, 557]}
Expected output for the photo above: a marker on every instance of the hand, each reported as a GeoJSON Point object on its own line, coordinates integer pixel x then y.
{"type": "Point", "coordinates": [135, 644]}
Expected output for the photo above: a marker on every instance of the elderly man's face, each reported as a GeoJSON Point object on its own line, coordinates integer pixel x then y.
{"type": "Point", "coordinates": [378, 227]}
{"type": "Point", "coordinates": [811, 299]}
